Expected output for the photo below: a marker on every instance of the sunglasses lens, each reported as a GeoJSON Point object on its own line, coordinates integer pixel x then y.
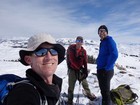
{"type": "Point", "coordinates": [41, 52]}
{"type": "Point", "coordinates": [102, 30]}
{"type": "Point", "coordinates": [53, 52]}
{"type": "Point", "coordinates": [79, 41]}
{"type": "Point", "coordinates": [44, 51]}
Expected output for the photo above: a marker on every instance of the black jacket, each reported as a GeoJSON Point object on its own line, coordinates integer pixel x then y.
{"type": "Point", "coordinates": [28, 94]}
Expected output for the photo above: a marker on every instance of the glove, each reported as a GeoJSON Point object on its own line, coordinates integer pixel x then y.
{"type": "Point", "coordinates": [83, 74]}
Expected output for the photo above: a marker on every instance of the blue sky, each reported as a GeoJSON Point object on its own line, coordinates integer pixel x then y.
{"type": "Point", "coordinates": [69, 18]}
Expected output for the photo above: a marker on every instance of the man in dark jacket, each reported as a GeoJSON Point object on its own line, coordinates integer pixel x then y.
{"type": "Point", "coordinates": [108, 54]}
{"type": "Point", "coordinates": [43, 55]}
{"type": "Point", "coordinates": [77, 69]}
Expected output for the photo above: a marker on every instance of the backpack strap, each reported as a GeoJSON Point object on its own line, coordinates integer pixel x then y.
{"type": "Point", "coordinates": [14, 83]}
{"type": "Point", "coordinates": [134, 96]}
{"type": "Point", "coordinates": [42, 98]}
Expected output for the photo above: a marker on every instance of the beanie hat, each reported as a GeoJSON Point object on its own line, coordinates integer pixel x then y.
{"type": "Point", "coordinates": [35, 41]}
{"type": "Point", "coordinates": [103, 27]}
{"type": "Point", "coordinates": [80, 38]}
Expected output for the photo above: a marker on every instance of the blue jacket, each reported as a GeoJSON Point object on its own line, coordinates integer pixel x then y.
{"type": "Point", "coordinates": [108, 54]}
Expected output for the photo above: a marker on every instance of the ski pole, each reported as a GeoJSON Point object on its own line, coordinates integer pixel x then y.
{"type": "Point", "coordinates": [77, 99]}
{"type": "Point", "coordinates": [62, 100]}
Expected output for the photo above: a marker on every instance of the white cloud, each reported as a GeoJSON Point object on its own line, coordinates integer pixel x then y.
{"type": "Point", "coordinates": [24, 18]}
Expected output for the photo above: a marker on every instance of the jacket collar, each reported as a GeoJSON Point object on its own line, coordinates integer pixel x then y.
{"type": "Point", "coordinates": [46, 89]}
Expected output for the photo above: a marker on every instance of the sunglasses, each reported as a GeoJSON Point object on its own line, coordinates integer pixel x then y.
{"type": "Point", "coordinates": [79, 41]}
{"type": "Point", "coordinates": [102, 30]}
{"type": "Point", "coordinates": [44, 51]}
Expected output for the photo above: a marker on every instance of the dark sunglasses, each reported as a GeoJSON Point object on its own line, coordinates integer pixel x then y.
{"type": "Point", "coordinates": [44, 51]}
{"type": "Point", "coordinates": [102, 30]}
{"type": "Point", "coordinates": [79, 41]}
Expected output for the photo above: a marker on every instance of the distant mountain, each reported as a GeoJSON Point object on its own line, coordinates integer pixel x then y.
{"type": "Point", "coordinates": [127, 49]}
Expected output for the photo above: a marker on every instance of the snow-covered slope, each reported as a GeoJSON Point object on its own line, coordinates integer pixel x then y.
{"type": "Point", "coordinates": [127, 69]}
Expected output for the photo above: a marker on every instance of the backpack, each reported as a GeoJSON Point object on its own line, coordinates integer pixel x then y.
{"type": "Point", "coordinates": [123, 95]}
{"type": "Point", "coordinates": [7, 81]}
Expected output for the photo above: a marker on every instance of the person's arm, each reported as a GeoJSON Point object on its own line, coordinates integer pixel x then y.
{"type": "Point", "coordinates": [70, 58]}
{"type": "Point", "coordinates": [23, 94]}
{"type": "Point", "coordinates": [85, 65]}
{"type": "Point", "coordinates": [113, 54]}
{"type": "Point", "coordinates": [85, 59]}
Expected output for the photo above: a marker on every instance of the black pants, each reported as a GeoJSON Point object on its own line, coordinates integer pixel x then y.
{"type": "Point", "coordinates": [104, 78]}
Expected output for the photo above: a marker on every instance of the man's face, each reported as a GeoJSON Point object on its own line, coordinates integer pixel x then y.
{"type": "Point", "coordinates": [44, 61]}
{"type": "Point", "coordinates": [79, 42]}
{"type": "Point", "coordinates": [102, 33]}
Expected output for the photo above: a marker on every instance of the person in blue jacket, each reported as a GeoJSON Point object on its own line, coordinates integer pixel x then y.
{"type": "Point", "coordinates": [107, 56]}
